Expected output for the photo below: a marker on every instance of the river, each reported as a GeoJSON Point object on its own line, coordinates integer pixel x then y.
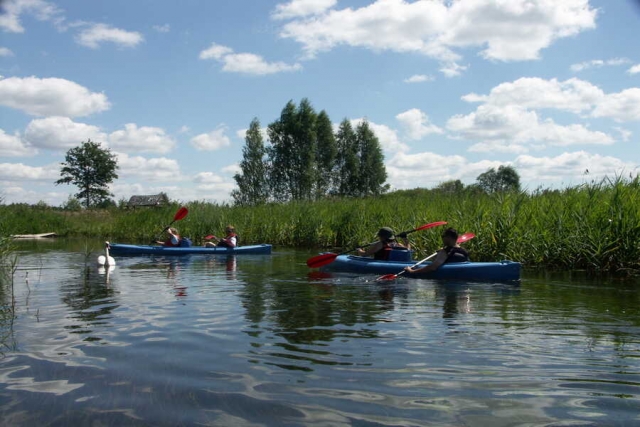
{"type": "Point", "coordinates": [264, 341]}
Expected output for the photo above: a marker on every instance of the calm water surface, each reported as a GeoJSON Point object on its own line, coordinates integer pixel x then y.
{"type": "Point", "coordinates": [261, 340]}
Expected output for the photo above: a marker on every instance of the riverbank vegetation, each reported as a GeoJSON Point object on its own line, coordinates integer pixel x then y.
{"type": "Point", "coordinates": [594, 226]}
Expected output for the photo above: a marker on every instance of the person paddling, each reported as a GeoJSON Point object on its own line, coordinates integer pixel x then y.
{"type": "Point", "coordinates": [173, 238]}
{"type": "Point", "coordinates": [385, 244]}
{"type": "Point", "coordinates": [229, 241]}
{"type": "Point", "coordinates": [451, 252]}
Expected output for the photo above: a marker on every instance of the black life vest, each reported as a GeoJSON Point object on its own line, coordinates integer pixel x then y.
{"type": "Point", "coordinates": [456, 254]}
{"type": "Point", "coordinates": [225, 243]}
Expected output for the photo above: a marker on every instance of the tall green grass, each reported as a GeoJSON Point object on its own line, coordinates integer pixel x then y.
{"type": "Point", "coordinates": [595, 226]}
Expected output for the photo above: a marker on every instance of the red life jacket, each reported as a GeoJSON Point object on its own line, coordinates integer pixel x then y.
{"type": "Point", "coordinates": [169, 243]}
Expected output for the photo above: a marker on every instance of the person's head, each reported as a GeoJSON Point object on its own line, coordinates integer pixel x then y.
{"type": "Point", "coordinates": [450, 236]}
{"type": "Point", "coordinates": [386, 234]}
{"type": "Point", "coordinates": [230, 229]}
{"type": "Point", "coordinates": [172, 230]}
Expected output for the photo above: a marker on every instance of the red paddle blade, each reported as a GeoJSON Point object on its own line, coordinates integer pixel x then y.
{"type": "Point", "coordinates": [388, 277]}
{"type": "Point", "coordinates": [320, 260]}
{"type": "Point", "coordinates": [465, 237]}
{"type": "Point", "coordinates": [209, 237]}
{"type": "Point", "coordinates": [430, 225]}
{"type": "Point", "coordinates": [182, 212]}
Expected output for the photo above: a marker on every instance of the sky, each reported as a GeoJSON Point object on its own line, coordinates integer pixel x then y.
{"type": "Point", "coordinates": [451, 87]}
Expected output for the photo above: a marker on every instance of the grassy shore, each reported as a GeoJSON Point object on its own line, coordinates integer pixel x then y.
{"type": "Point", "coordinates": [594, 226]}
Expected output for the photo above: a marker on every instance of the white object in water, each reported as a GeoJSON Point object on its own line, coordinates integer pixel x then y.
{"type": "Point", "coordinates": [106, 259]}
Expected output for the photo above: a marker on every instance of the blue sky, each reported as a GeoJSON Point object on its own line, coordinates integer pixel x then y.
{"type": "Point", "coordinates": [451, 88]}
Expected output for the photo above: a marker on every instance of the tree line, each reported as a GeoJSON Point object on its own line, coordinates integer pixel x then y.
{"type": "Point", "coordinates": [306, 160]}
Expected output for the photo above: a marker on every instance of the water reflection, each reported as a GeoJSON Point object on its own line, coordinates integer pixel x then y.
{"type": "Point", "coordinates": [91, 300]}
{"type": "Point", "coordinates": [261, 340]}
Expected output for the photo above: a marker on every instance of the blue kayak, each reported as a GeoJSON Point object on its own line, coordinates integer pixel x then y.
{"type": "Point", "coordinates": [480, 271]}
{"type": "Point", "coordinates": [122, 249]}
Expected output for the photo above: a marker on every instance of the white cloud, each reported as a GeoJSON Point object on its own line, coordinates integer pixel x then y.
{"type": "Point", "coordinates": [211, 141]}
{"type": "Point", "coordinates": [634, 70]}
{"type": "Point", "coordinates": [428, 169]}
{"type": "Point", "coordinates": [242, 134]}
{"type": "Point", "coordinates": [514, 124]}
{"type": "Point", "coordinates": [162, 28]}
{"type": "Point", "coordinates": [246, 63]}
{"type": "Point", "coordinates": [388, 137]}
{"type": "Point", "coordinates": [416, 124]}
{"type": "Point", "coordinates": [154, 169]}
{"type": "Point", "coordinates": [232, 169]}
{"type": "Point", "coordinates": [101, 33]}
{"type": "Point", "coordinates": [505, 30]}
{"type": "Point", "coordinates": [141, 139]}
{"type": "Point", "coordinates": [60, 133]}
{"type": "Point", "coordinates": [14, 146]}
{"type": "Point", "coordinates": [598, 63]}
{"type": "Point", "coordinates": [302, 8]}
{"type": "Point", "coordinates": [419, 78]}
{"type": "Point", "coordinates": [39, 9]}
{"type": "Point", "coordinates": [625, 134]}
{"type": "Point", "coordinates": [498, 147]}
{"type": "Point", "coordinates": [569, 166]}
{"type": "Point", "coordinates": [50, 97]}
{"type": "Point", "coordinates": [572, 95]}
{"type": "Point", "coordinates": [207, 178]}
{"type": "Point", "coordinates": [5, 51]}
{"type": "Point", "coordinates": [452, 69]}
{"type": "Point", "coordinates": [15, 172]}
{"type": "Point", "coordinates": [622, 106]}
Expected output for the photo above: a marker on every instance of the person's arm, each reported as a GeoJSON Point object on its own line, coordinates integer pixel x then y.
{"type": "Point", "coordinates": [435, 264]}
{"type": "Point", "coordinates": [370, 250]}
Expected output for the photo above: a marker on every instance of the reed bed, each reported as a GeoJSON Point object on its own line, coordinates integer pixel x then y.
{"type": "Point", "coordinates": [594, 226]}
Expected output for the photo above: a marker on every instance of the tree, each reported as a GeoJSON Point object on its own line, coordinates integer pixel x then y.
{"type": "Point", "coordinates": [326, 153]}
{"type": "Point", "coordinates": [292, 154]}
{"type": "Point", "coordinates": [252, 181]}
{"type": "Point", "coordinates": [91, 168]}
{"type": "Point", "coordinates": [504, 179]}
{"type": "Point", "coordinates": [451, 186]}
{"type": "Point", "coordinates": [372, 173]}
{"type": "Point", "coordinates": [347, 166]}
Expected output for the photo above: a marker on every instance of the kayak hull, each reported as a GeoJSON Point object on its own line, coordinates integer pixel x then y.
{"type": "Point", "coordinates": [474, 271]}
{"type": "Point", "coordinates": [124, 249]}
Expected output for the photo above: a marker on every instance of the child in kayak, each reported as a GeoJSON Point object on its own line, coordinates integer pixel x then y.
{"type": "Point", "coordinates": [229, 241]}
{"type": "Point", "coordinates": [172, 240]}
{"type": "Point", "coordinates": [385, 244]}
{"type": "Point", "coordinates": [451, 252]}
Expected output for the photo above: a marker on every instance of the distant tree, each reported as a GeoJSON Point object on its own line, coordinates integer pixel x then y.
{"type": "Point", "coordinates": [504, 179]}
{"type": "Point", "coordinates": [326, 153]}
{"type": "Point", "coordinates": [451, 186]}
{"type": "Point", "coordinates": [72, 204]}
{"type": "Point", "coordinates": [252, 181]}
{"type": "Point", "coordinates": [372, 173]}
{"type": "Point", "coordinates": [91, 168]}
{"type": "Point", "coordinates": [347, 164]}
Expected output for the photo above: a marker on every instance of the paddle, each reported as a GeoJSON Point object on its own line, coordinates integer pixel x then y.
{"type": "Point", "coordinates": [182, 212]}
{"type": "Point", "coordinates": [328, 258]}
{"type": "Point", "coordinates": [461, 239]}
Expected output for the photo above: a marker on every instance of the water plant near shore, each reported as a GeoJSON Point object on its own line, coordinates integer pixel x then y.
{"type": "Point", "coordinates": [593, 226]}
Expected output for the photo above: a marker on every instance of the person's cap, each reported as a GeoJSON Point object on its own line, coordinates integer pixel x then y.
{"type": "Point", "coordinates": [385, 233]}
